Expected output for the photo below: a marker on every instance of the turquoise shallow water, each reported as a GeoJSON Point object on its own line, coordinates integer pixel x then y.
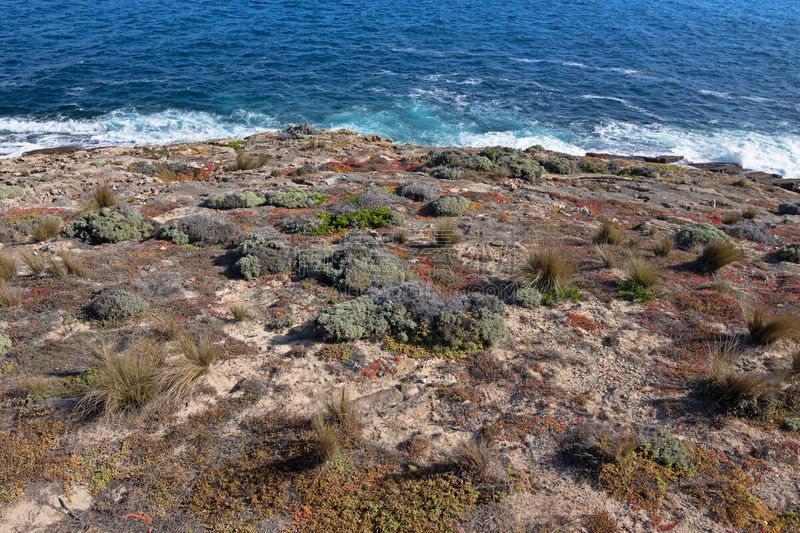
{"type": "Point", "coordinates": [710, 80]}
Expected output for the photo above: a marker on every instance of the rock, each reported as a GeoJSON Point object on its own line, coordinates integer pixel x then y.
{"type": "Point", "coordinates": [728, 168]}
{"type": "Point", "coordinates": [791, 208]}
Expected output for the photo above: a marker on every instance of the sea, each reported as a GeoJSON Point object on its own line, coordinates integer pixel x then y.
{"type": "Point", "coordinates": [711, 80]}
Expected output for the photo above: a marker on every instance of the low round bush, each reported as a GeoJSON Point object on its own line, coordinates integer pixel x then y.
{"type": "Point", "coordinates": [303, 225]}
{"type": "Point", "coordinates": [789, 252]}
{"type": "Point", "coordinates": [518, 163]}
{"type": "Point", "coordinates": [236, 200]}
{"type": "Point", "coordinates": [296, 198]}
{"type": "Point", "coordinates": [702, 233]}
{"type": "Point", "coordinates": [449, 206]}
{"type": "Point", "coordinates": [263, 253]}
{"type": "Point", "coordinates": [418, 190]}
{"type": "Point", "coordinates": [445, 173]}
{"type": "Point", "coordinates": [5, 343]}
{"type": "Point", "coordinates": [117, 304]}
{"type": "Point", "coordinates": [200, 229]}
{"type": "Point", "coordinates": [558, 165]}
{"type": "Point", "coordinates": [351, 267]}
{"type": "Point", "coordinates": [10, 191]}
{"type": "Point", "coordinates": [526, 297]}
{"type": "Point", "coordinates": [110, 225]}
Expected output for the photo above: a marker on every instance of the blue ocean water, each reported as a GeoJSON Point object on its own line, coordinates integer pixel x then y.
{"type": "Point", "coordinates": [708, 79]}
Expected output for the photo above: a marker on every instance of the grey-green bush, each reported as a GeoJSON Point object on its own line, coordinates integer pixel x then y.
{"type": "Point", "coordinates": [701, 233]}
{"type": "Point", "coordinates": [116, 304]}
{"type": "Point", "coordinates": [296, 198]}
{"type": "Point", "coordinates": [526, 297]}
{"type": "Point", "coordinates": [449, 206]}
{"type": "Point", "coordinates": [558, 165]}
{"type": "Point", "coordinates": [235, 200]}
{"type": "Point", "coordinates": [200, 229]}
{"type": "Point", "coordinates": [5, 343]}
{"type": "Point", "coordinates": [663, 448]}
{"type": "Point", "coordinates": [418, 190]}
{"type": "Point", "coordinates": [789, 252]}
{"type": "Point", "coordinates": [445, 173]}
{"type": "Point", "coordinates": [519, 164]}
{"type": "Point", "coordinates": [263, 252]}
{"type": "Point", "coordinates": [10, 191]}
{"type": "Point", "coordinates": [110, 225]}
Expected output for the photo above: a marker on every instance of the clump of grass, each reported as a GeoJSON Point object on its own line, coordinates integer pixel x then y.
{"type": "Point", "coordinates": [104, 196]}
{"type": "Point", "coordinates": [177, 379]}
{"type": "Point", "coordinates": [607, 256]}
{"type": "Point", "coordinates": [36, 386]}
{"type": "Point", "coordinates": [168, 329]}
{"type": "Point", "coordinates": [36, 263]}
{"type": "Point", "coordinates": [8, 267]}
{"type": "Point", "coordinates": [124, 381]}
{"type": "Point", "coordinates": [731, 218]}
{"type": "Point", "coordinates": [447, 233]}
{"type": "Point", "coordinates": [546, 268]}
{"type": "Point", "coordinates": [400, 235]}
{"type": "Point", "coordinates": [476, 458]}
{"type": "Point", "coordinates": [749, 213]}
{"type": "Point", "coordinates": [716, 255]}
{"type": "Point", "coordinates": [250, 161]}
{"type": "Point", "coordinates": [601, 521]}
{"type": "Point", "coordinates": [608, 233]}
{"type": "Point", "coordinates": [338, 427]}
{"type": "Point", "coordinates": [641, 272]}
{"type": "Point", "coordinates": [45, 228]}
{"type": "Point", "coordinates": [56, 268]}
{"type": "Point", "coordinates": [502, 172]}
{"type": "Point", "coordinates": [9, 296]}
{"type": "Point", "coordinates": [766, 327]}
{"type": "Point", "coordinates": [664, 246]}
{"type": "Point", "coordinates": [241, 312]}
{"type": "Point", "coordinates": [73, 265]}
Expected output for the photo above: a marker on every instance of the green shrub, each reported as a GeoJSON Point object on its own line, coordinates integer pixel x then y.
{"type": "Point", "coordinates": [645, 172]}
{"type": "Point", "coordinates": [458, 159]}
{"type": "Point", "coordinates": [526, 297]}
{"type": "Point", "coordinates": [558, 165]}
{"type": "Point", "coordinates": [663, 448]}
{"type": "Point", "coordinates": [263, 253]}
{"type": "Point", "coordinates": [235, 200]}
{"type": "Point", "coordinates": [110, 225]}
{"type": "Point", "coordinates": [449, 206]}
{"type": "Point", "coordinates": [5, 344]}
{"type": "Point", "coordinates": [117, 304]}
{"type": "Point", "coordinates": [199, 229]}
{"type": "Point", "coordinates": [792, 424]}
{"type": "Point", "coordinates": [10, 191]}
{"type": "Point", "coordinates": [296, 198]}
{"type": "Point", "coordinates": [305, 225]}
{"type": "Point", "coordinates": [445, 173]}
{"type": "Point", "coordinates": [789, 252]}
{"type": "Point", "coordinates": [701, 233]}
{"type": "Point", "coordinates": [516, 163]}
{"type": "Point", "coordinates": [412, 312]}
{"type": "Point", "coordinates": [351, 267]}
{"type": "Point", "coordinates": [324, 223]}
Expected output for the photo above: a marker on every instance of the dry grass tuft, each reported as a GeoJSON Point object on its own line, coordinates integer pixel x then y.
{"type": "Point", "coordinates": [250, 161]}
{"type": "Point", "coordinates": [447, 233]}
{"type": "Point", "coordinates": [475, 458]}
{"type": "Point", "coordinates": [641, 272]}
{"type": "Point", "coordinates": [608, 233]}
{"type": "Point", "coordinates": [601, 521]}
{"type": "Point", "coordinates": [749, 213]}
{"type": "Point", "coordinates": [766, 327]}
{"type": "Point", "coordinates": [36, 386]}
{"type": "Point", "coordinates": [731, 218]}
{"type": "Point", "coordinates": [36, 263]}
{"type": "Point", "coordinates": [168, 329]}
{"type": "Point", "coordinates": [177, 378]}
{"type": "Point", "coordinates": [46, 228]}
{"type": "Point", "coordinates": [716, 255]}
{"type": "Point", "coordinates": [124, 381]}
{"type": "Point", "coordinates": [400, 235]}
{"type": "Point", "coordinates": [9, 296]}
{"type": "Point", "coordinates": [546, 268]}
{"type": "Point", "coordinates": [606, 255]}
{"type": "Point", "coordinates": [338, 427]}
{"type": "Point", "coordinates": [8, 267]}
{"type": "Point", "coordinates": [56, 268]}
{"type": "Point", "coordinates": [241, 312]}
{"type": "Point", "coordinates": [664, 246]}
{"type": "Point", "coordinates": [104, 196]}
{"type": "Point", "coordinates": [73, 265]}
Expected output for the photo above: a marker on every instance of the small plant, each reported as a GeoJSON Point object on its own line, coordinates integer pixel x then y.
{"type": "Point", "coordinates": [447, 233]}
{"type": "Point", "coordinates": [664, 246]}
{"type": "Point", "coordinates": [110, 225]}
{"type": "Point", "coordinates": [606, 255]}
{"type": "Point", "coordinates": [731, 218]}
{"type": "Point", "coordinates": [449, 206]}
{"type": "Point", "coordinates": [789, 252]}
{"type": "Point", "coordinates": [601, 521]}
{"type": "Point", "coordinates": [56, 268]}
{"type": "Point", "coordinates": [176, 380]}
{"type": "Point", "coordinates": [338, 427]}
{"type": "Point", "coordinates": [296, 198]}
{"type": "Point", "coordinates": [241, 312]}
{"type": "Point", "coordinates": [749, 213]}
{"type": "Point", "coordinates": [795, 368]}
{"type": "Point", "coordinates": [526, 297]}
{"type": "Point", "coordinates": [641, 272]}
{"type": "Point", "coordinates": [418, 191]}
{"type": "Point", "coordinates": [34, 262]}
{"type": "Point", "coordinates": [608, 233]}
{"type": "Point", "coordinates": [546, 268]}
{"type": "Point", "coordinates": [699, 234]}
{"type": "Point", "coordinates": [400, 236]}
{"type": "Point", "coordinates": [718, 254]}
{"type": "Point", "coordinates": [36, 386]}
{"type": "Point", "coordinates": [103, 196]}
{"type": "Point", "coordinates": [478, 460]}
{"type": "Point", "coordinates": [73, 265]}
{"type": "Point", "coordinates": [46, 227]}
{"type": "Point", "coordinates": [8, 267]}
{"type": "Point", "coordinates": [766, 327]}
{"type": "Point", "coordinates": [9, 296]}
{"type": "Point", "coordinates": [744, 394]}
{"type": "Point", "coordinates": [246, 161]}
{"type": "Point", "coordinates": [235, 200]}
{"type": "Point", "coordinates": [116, 305]}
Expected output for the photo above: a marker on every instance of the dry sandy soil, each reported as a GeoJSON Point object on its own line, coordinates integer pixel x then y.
{"type": "Point", "coordinates": [545, 428]}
